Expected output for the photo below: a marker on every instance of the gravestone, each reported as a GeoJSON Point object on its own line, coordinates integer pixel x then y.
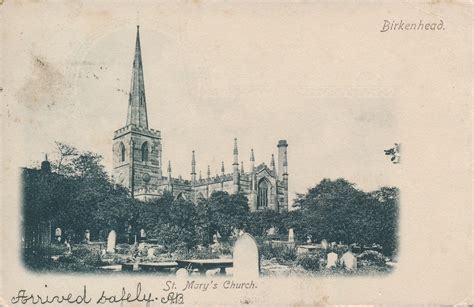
{"type": "Point", "coordinates": [324, 244]}
{"type": "Point", "coordinates": [332, 260]}
{"type": "Point", "coordinates": [111, 241]}
{"type": "Point", "coordinates": [58, 233]}
{"type": "Point", "coordinates": [68, 248]}
{"type": "Point", "coordinates": [87, 235]}
{"type": "Point", "coordinates": [151, 252]}
{"type": "Point", "coordinates": [291, 235]}
{"type": "Point", "coordinates": [142, 234]}
{"type": "Point", "coordinates": [246, 257]}
{"type": "Point", "coordinates": [349, 261]}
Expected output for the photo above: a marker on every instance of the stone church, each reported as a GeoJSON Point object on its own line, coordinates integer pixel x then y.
{"type": "Point", "coordinates": [137, 161]}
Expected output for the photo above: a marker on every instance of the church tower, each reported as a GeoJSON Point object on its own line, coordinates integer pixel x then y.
{"type": "Point", "coordinates": [137, 148]}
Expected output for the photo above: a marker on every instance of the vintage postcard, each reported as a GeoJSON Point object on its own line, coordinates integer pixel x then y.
{"type": "Point", "coordinates": [236, 153]}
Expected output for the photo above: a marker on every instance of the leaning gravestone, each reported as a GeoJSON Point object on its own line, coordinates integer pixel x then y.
{"type": "Point", "coordinates": [111, 241]}
{"type": "Point", "coordinates": [349, 261]}
{"type": "Point", "coordinates": [246, 257]}
{"type": "Point", "coordinates": [332, 259]}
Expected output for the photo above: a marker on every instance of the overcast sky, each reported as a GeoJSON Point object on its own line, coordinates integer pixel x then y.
{"type": "Point", "coordinates": [212, 75]}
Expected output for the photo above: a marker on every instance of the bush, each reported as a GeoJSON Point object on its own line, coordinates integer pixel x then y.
{"type": "Point", "coordinates": [86, 257]}
{"type": "Point", "coordinates": [280, 252]}
{"type": "Point", "coordinates": [371, 258]}
{"type": "Point", "coordinates": [310, 262]}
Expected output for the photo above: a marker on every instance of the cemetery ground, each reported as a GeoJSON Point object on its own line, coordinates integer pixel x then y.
{"type": "Point", "coordinates": [75, 219]}
{"type": "Point", "coordinates": [277, 258]}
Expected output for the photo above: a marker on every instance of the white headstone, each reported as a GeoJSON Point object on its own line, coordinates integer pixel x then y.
{"type": "Point", "coordinates": [151, 252]}
{"type": "Point", "coordinates": [349, 261]}
{"type": "Point", "coordinates": [332, 259]}
{"type": "Point", "coordinates": [324, 244]}
{"type": "Point", "coordinates": [291, 235]}
{"type": "Point", "coordinates": [68, 247]}
{"type": "Point", "coordinates": [58, 232]}
{"type": "Point", "coordinates": [87, 235]}
{"type": "Point", "coordinates": [111, 241]}
{"type": "Point", "coordinates": [142, 233]}
{"type": "Point", "coordinates": [246, 257]}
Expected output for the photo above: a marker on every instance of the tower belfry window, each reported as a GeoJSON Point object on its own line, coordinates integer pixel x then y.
{"type": "Point", "coordinates": [145, 151]}
{"type": "Point", "coordinates": [122, 152]}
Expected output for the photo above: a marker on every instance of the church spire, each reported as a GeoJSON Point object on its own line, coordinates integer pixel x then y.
{"type": "Point", "coordinates": [236, 153]}
{"type": "Point", "coordinates": [272, 164]}
{"type": "Point", "coordinates": [193, 168]}
{"type": "Point", "coordinates": [252, 160]}
{"type": "Point", "coordinates": [136, 102]}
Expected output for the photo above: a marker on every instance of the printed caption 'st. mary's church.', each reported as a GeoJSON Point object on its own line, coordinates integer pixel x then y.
{"type": "Point", "coordinates": [137, 161]}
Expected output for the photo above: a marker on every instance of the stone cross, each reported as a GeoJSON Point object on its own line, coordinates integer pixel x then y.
{"type": "Point", "coordinates": [246, 257]}
{"type": "Point", "coordinates": [332, 259]}
{"type": "Point", "coordinates": [349, 261]}
{"type": "Point", "coordinates": [111, 241]}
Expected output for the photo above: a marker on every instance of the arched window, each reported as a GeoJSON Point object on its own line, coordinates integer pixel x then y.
{"type": "Point", "coordinates": [145, 151]}
{"type": "Point", "coordinates": [122, 152]}
{"type": "Point", "coordinates": [262, 196]}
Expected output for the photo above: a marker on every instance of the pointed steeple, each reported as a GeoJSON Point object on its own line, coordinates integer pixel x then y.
{"type": "Point", "coordinates": [193, 168]}
{"type": "Point", "coordinates": [252, 160]}
{"type": "Point", "coordinates": [208, 172]}
{"type": "Point", "coordinates": [242, 167]}
{"type": "Point", "coordinates": [272, 163]}
{"type": "Point", "coordinates": [136, 102]}
{"type": "Point", "coordinates": [222, 168]}
{"type": "Point", "coordinates": [169, 167]}
{"type": "Point", "coordinates": [236, 153]}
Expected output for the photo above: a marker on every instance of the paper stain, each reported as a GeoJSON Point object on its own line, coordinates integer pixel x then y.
{"type": "Point", "coordinates": [45, 87]}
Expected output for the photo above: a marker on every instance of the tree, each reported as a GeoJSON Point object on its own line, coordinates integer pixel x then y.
{"type": "Point", "coordinates": [65, 154]}
{"type": "Point", "coordinates": [337, 211]}
{"type": "Point", "coordinates": [77, 198]}
{"type": "Point", "coordinates": [227, 213]}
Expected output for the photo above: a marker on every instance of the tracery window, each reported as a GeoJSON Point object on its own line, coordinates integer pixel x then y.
{"type": "Point", "coordinates": [262, 196]}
